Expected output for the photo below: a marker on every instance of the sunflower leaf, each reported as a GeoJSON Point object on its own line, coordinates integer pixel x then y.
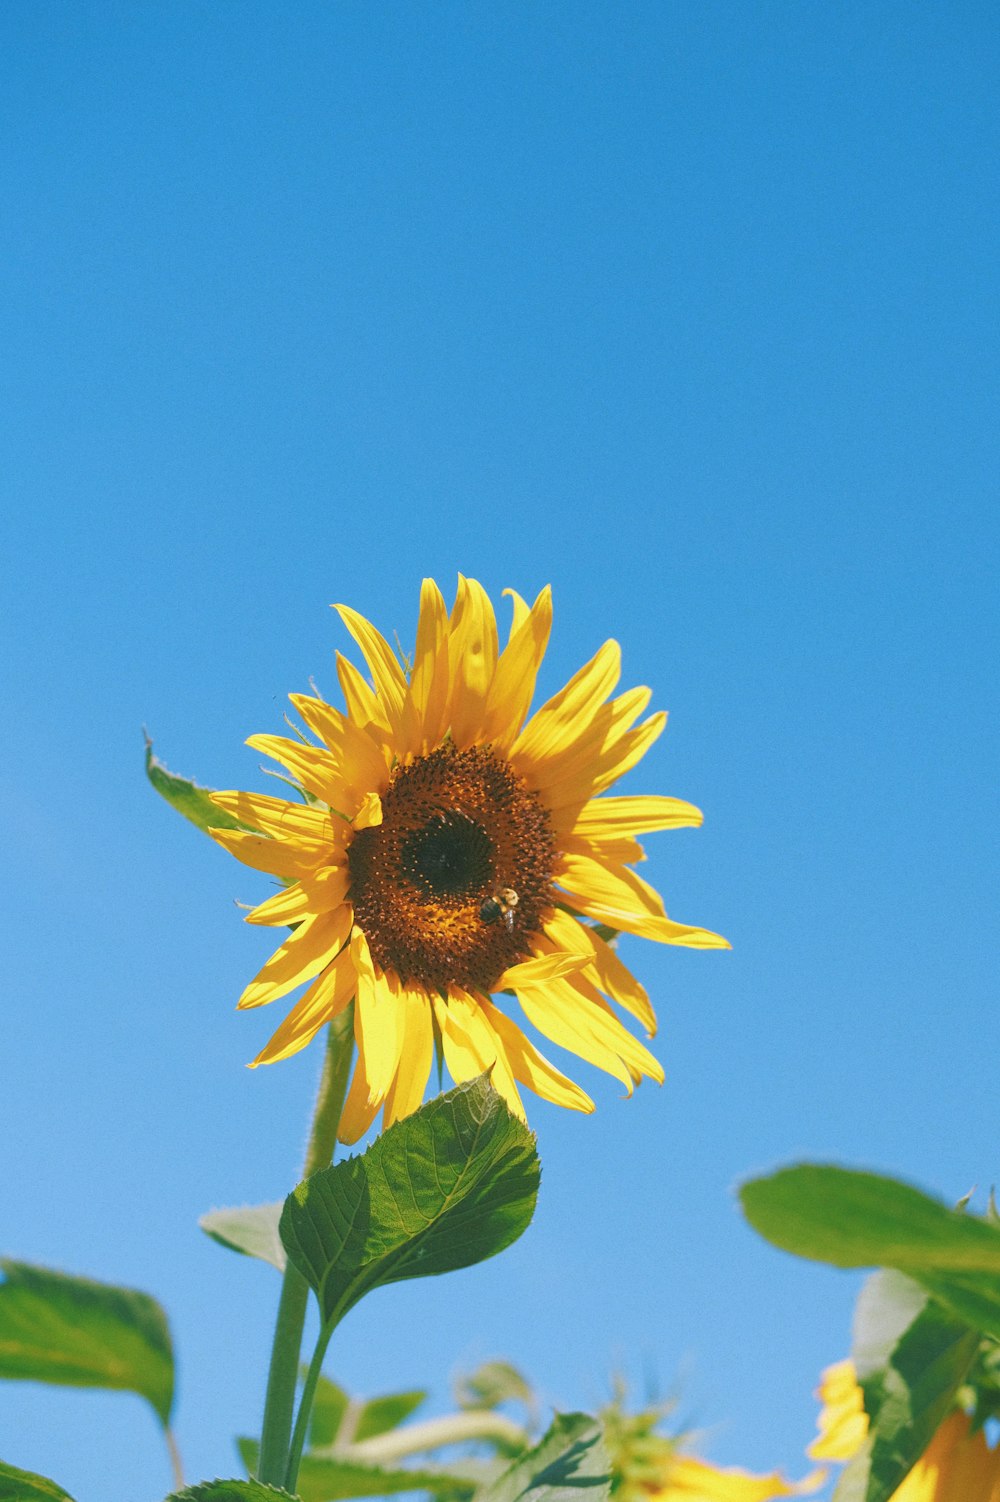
{"type": "Point", "coordinates": [855, 1219]}
{"type": "Point", "coordinates": [569, 1459]}
{"type": "Point", "coordinates": [232, 1491]}
{"type": "Point", "coordinates": [335, 1478]}
{"type": "Point", "coordinates": [250, 1229]}
{"type": "Point", "coordinates": [77, 1333]}
{"type": "Point", "coordinates": [445, 1188]}
{"type": "Point", "coordinates": [187, 797]}
{"type": "Point", "coordinates": [25, 1486]}
{"type": "Point", "coordinates": [909, 1376]}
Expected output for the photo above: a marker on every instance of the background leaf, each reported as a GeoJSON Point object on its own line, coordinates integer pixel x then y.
{"type": "Point", "coordinates": [909, 1393]}
{"type": "Point", "coordinates": [570, 1459]}
{"type": "Point", "coordinates": [493, 1383]}
{"type": "Point", "coordinates": [188, 798]}
{"type": "Point", "coordinates": [332, 1478]}
{"type": "Point", "coordinates": [340, 1419]}
{"type": "Point", "coordinates": [25, 1486]}
{"type": "Point", "coordinates": [250, 1229]}
{"type": "Point", "coordinates": [855, 1219]}
{"type": "Point", "coordinates": [231, 1491]}
{"type": "Point", "coordinates": [447, 1187]}
{"type": "Point", "coordinates": [54, 1328]}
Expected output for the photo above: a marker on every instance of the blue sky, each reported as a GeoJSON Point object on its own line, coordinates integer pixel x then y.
{"type": "Point", "coordinates": [688, 310]}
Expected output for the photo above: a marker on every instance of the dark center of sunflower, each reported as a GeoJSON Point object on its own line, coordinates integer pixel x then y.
{"type": "Point", "coordinates": [459, 828]}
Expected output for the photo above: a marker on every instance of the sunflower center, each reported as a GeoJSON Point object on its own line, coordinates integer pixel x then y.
{"type": "Point", "coordinates": [431, 884]}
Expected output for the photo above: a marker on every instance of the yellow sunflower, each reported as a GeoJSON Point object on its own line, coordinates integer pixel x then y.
{"type": "Point", "coordinates": [957, 1466]}
{"type": "Point", "coordinates": [448, 847]}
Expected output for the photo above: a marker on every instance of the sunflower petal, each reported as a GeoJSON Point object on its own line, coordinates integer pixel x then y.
{"type": "Point", "coordinates": [548, 1010]}
{"type": "Point", "coordinates": [617, 896]}
{"type": "Point", "coordinates": [558, 720]}
{"type": "Point", "coordinates": [361, 1106]}
{"type": "Point", "coordinates": [472, 652]}
{"type": "Point", "coordinates": [363, 706]}
{"type": "Point", "coordinates": [533, 1068]}
{"type": "Point", "coordinates": [308, 950]}
{"type": "Point", "coordinates": [318, 772]}
{"type": "Point", "coordinates": [387, 675]}
{"type": "Point", "coordinates": [605, 968]}
{"type": "Point", "coordinates": [324, 1000]}
{"type": "Point", "coordinates": [376, 1021]}
{"type": "Point", "coordinates": [273, 856]}
{"type": "Point", "coordinates": [318, 893]}
{"type": "Point", "coordinates": [513, 685]}
{"type": "Point", "coordinates": [429, 682]}
{"type": "Point", "coordinates": [279, 818]}
{"type": "Point", "coordinates": [416, 1055]}
{"type": "Point", "coordinates": [602, 818]}
{"type": "Point", "coordinates": [362, 764]}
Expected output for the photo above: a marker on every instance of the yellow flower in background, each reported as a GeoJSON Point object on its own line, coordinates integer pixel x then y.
{"type": "Point", "coordinates": [449, 848]}
{"type": "Point", "coordinates": [652, 1467]}
{"type": "Point", "coordinates": [957, 1466]}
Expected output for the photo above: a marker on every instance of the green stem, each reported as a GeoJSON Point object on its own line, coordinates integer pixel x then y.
{"type": "Point", "coordinates": [287, 1344]}
{"type": "Point", "coordinates": [305, 1409]}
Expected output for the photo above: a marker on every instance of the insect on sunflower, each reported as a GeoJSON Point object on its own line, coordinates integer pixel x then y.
{"type": "Point", "coordinates": [449, 848]}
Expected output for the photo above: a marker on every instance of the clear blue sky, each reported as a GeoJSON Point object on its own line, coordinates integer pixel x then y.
{"type": "Point", "coordinates": [690, 310]}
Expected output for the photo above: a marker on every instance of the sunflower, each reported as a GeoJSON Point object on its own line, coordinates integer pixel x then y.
{"type": "Point", "coordinates": [446, 848]}
{"type": "Point", "coordinates": [957, 1466]}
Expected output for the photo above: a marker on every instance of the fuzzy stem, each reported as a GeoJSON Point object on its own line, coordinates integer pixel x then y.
{"type": "Point", "coordinates": [287, 1344]}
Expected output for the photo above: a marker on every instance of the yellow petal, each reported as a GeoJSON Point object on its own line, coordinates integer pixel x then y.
{"type": "Point", "coordinates": [601, 817]}
{"type": "Point", "coordinates": [324, 1000]}
{"type": "Point", "coordinates": [591, 775]}
{"type": "Point", "coordinates": [604, 967]}
{"type": "Point", "coordinates": [691, 1480]}
{"type": "Point", "coordinates": [361, 1105]}
{"type": "Point", "coordinates": [588, 747]}
{"type": "Point", "coordinates": [617, 850]}
{"type": "Point", "coordinates": [520, 614]}
{"type": "Point", "coordinates": [533, 1068]}
{"type": "Point", "coordinates": [309, 949]}
{"type": "Point", "coordinates": [369, 815]}
{"type": "Point", "coordinates": [319, 893]}
{"type": "Point", "coordinates": [513, 684]}
{"type": "Point", "coordinates": [843, 1422]}
{"type": "Point", "coordinates": [387, 675]}
{"type": "Point", "coordinates": [620, 898]}
{"type": "Point", "coordinates": [415, 1056]}
{"type": "Point", "coordinates": [559, 716]}
{"type": "Point", "coordinates": [472, 655]}
{"type": "Point", "coordinates": [536, 971]}
{"type": "Point", "coordinates": [318, 772]}
{"type": "Point", "coordinates": [279, 818]}
{"type": "Point", "coordinates": [429, 682]}
{"type": "Point", "coordinates": [363, 707]}
{"type": "Point", "coordinates": [561, 1021]}
{"type": "Point", "coordinates": [361, 762]}
{"type": "Point", "coordinates": [377, 1021]}
{"type": "Point", "coordinates": [273, 856]}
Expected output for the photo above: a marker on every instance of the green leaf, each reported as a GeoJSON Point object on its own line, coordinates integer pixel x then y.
{"type": "Point", "coordinates": [188, 798]}
{"type": "Point", "coordinates": [855, 1219]}
{"type": "Point", "coordinates": [571, 1459]}
{"type": "Point", "coordinates": [910, 1386]}
{"type": "Point", "coordinates": [379, 1415]}
{"type": "Point", "coordinates": [232, 1491]}
{"type": "Point", "coordinates": [491, 1384]}
{"type": "Point", "coordinates": [250, 1229]}
{"type": "Point", "coordinates": [330, 1405]}
{"type": "Point", "coordinates": [25, 1486]}
{"type": "Point", "coordinates": [332, 1478]}
{"type": "Point", "coordinates": [54, 1328]}
{"type": "Point", "coordinates": [447, 1187]}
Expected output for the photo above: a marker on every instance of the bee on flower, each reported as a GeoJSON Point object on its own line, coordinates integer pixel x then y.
{"type": "Point", "coordinates": [450, 848]}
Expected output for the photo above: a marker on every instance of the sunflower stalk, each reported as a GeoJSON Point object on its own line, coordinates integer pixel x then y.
{"type": "Point", "coordinates": [286, 1347]}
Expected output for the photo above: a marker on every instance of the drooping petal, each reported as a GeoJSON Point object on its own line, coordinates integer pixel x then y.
{"type": "Point", "coordinates": [325, 999]}
{"type": "Point", "coordinates": [415, 1056]}
{"type": "Point", "coordinates": [361, 1106]}
{"type": "Point", "coordinates": [472, 651]}
{"type": "Point", "coordinates": [537, 971]}
{"type": "Point", "coordinates": [560, 1021]}
{"type": "Point", "coordinates": [533, 1068]}
{"type": "Point", "coordinates": [472, 1047]}
{"type": "Point", "coordinates": [692, 1480]}
{"type": "Point", "coordinates": [376, 1021]}
{"type": "Point", "coordinates": [843, 1422]}
{"type": "Point", "coordinates": [604, 968]}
